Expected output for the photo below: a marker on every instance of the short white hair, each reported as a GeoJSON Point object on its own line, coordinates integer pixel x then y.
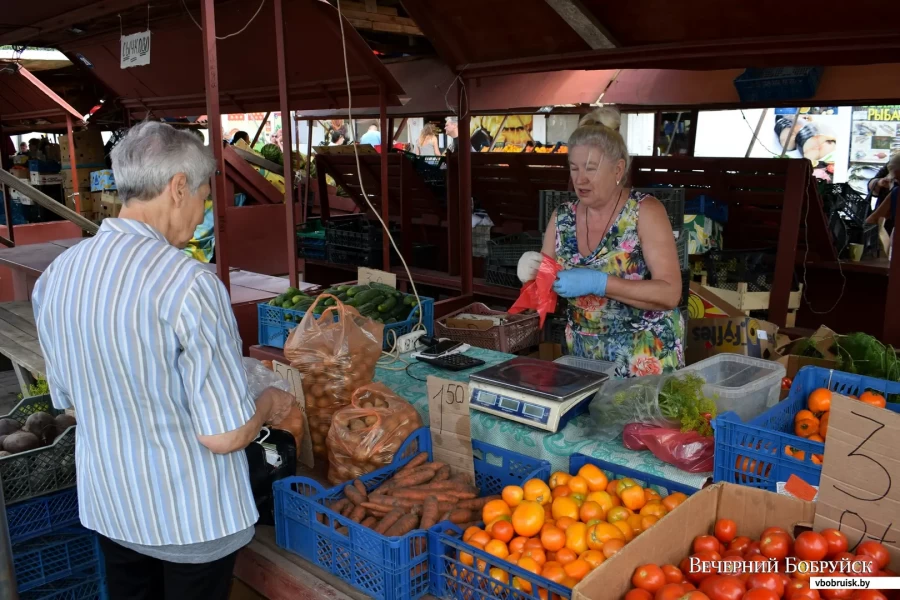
{"type": "Point", "coordinates": [452, 120]}
{"type": "Point", "coordinates": [600, 128]}
{"type": "Point", "coordinates": [152, 153]}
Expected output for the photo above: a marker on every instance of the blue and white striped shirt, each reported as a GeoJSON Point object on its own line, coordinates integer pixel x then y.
{"type": "Point", "coordinates": [141, 340]}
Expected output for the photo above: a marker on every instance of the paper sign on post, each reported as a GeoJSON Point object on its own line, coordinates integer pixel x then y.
{"type": "Point", "coordinates": [294, 379]}
{"type": "Point", "coordinates": [859, 491]}
{"type": "Point", "coordinates": [365, 276]}
{"type": "Point", "coordinates": [451, 429]}
{"type": "Point", "coordinates": [135, 50]}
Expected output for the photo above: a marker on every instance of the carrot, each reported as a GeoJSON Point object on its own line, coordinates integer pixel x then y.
{"type": "Point", "coordinates": [417, 461]}
{"type": "Point", "coordinates": [404, 525]}
{"type": "Point", "coordinates": [440, 496]}
{"type": "Point", "coordinates": [369, 522]}
{"type": "Point", "coordinates": [358, 514]}
{"type": "Point", "coordinates": [339, 505]}
{"type": "Point", "coordinates": [354, 496]}
{"type": "Point", "coordinates": [411, 478]}
{"type": "Point", "coordinates": [359, 485]}
{"type": "Point", "coordinates": [388, 521]}
{"type": "Point", "coordinates": [429, 513]}
{"type": "Point", "coordinates": [476, 503]}
{"type": "Point", "coordinates": [460, 515]}
{"type": "Point", "coordinates": [347, 509]}
{"type": "Point", "coordinates": [442, 474]}
{"type": "Point", "coordinates": [442, 486]}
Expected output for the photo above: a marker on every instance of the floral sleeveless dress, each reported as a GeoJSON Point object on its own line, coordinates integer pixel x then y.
{"type": "Point", "coordinates": [641, 342]}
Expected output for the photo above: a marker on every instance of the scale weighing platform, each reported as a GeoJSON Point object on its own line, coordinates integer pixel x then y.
{"type": "Point", "coordinates": [534, 392]}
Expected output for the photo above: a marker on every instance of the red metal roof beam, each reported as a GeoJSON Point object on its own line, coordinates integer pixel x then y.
{"type": "Point", "coordinates": [64, 20]}
{"type": "Point", "coordinates": [584, 23]}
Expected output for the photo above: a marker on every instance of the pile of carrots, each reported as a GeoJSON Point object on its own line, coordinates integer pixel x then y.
{"type": "Point", "coordinates": [418, 496]}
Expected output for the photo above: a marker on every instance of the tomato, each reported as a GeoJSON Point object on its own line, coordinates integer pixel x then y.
{"type": "Point", "coordinates": [695, 595]}
{"type": "Point", "coordinates": [786, 383]}
{"type": "Point", "coordinates": [723, 587]}
{"type": "Point", "coordinates": [837, 541]}
{"type": "Point", "coordinates": [803, 570]}
{"type": "Point", "coordinates": [728, 553]}
{"type": "Point", "coordinates": [810, 545]}
{"type": "Point", "coordinates": [868, 595]}
{"type": "Point", "coordinates": [802, 593]}
{"type": "Point", "coordinates": [670, 591]}
{"type": "Point", "coordinates": [775, 545]}
{"type": "Point", "coordinates": [739, 543]}
{"type": "Point", "coordinates": [673, 574]}
{"type": "Point", "coordinates": [725, 530]}
{"type": "Point", "coordinates": [636, 594]}
{"type": "Point", "coordinates": [648, 577]}
{"type": "Point", "coordinates": [876, 551]}
{"type": "Point", "coordinates": [733, 565]}
{"type": "Point", "coordinates": [864, 566]}
{"type": "Point", "coordinates": [760, 594]}
{"type": "Point", "coordinates": [706, 543]}
{"type": "Point", "coordinates": [773, 530]}
{"type": "Point", "coordinates": [698, 575]}
{"type": "Point", "coordinates": [847, 556]}
{"type": "Point", "coordinates": [769, 581]}
{"type": "Point", "coordinates": [752, 549]}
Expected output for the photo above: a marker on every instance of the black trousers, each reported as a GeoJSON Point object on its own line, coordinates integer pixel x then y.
{"type": "Point", "coordinates": [134, 576]}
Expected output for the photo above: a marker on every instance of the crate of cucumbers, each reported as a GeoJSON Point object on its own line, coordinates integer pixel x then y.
{"type": "Point", "coordinates": [398, 311]}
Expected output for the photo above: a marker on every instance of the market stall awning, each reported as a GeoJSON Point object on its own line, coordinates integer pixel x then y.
{"type": "Point", "coordinates": [172, 84]}
{"type": "Point", "coordinates": [27, 104]}
{"type": "Point", "coordinates": [529, 36]}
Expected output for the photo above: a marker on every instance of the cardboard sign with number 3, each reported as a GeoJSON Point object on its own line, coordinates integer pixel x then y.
{"type": "Point", "coordinates": [859, 491]}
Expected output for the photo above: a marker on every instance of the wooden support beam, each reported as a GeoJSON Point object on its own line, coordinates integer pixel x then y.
{"type": "Point", "coordinates": [259, 129]}
{"type": "Point", "coordinates": [46, 201]}
{"type": "Point", "coordinates": [464, 149]}
{"type": "Point", "coordinates": [286, 147]}
{"type": "Point", "coordinates": [798, 175]}
{"type": "Point", "coordinates": [584, 23]}
{"type": "Point", "coordinates": [377, 21]}
{"type": "Point", "coordinates": [385, 184]}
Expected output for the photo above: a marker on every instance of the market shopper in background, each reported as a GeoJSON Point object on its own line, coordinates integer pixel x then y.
{"type": "Point", "coordinates": [371, 137]}
{"type": "Point", "coordinates": [451, 128]}
{"type": "Point", "coordinates": [880, 187]}
{"type": "Point", "coordinates": [427, 144]}
{"type": "Point", "coordinates": [164, 410]}
{"type": "Point", "coordinates": [337, 139]}
{"type": "Point", "coordinates": [620, 274]}
{"type": "Point", "coordinates": [240, 135]}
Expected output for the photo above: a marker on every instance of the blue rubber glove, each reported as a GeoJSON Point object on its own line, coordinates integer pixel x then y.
{"type": "Point", "coordinates": [575, 283]}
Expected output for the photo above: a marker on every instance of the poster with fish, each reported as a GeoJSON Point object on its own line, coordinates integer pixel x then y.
{"type": "Point", "coordinates": [876, 137]}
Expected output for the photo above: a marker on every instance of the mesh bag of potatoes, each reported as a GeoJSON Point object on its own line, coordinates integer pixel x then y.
{"type": "Point", "coordinates": [365, 435]}
{"type": "Point", "coordinates": [335, 354]}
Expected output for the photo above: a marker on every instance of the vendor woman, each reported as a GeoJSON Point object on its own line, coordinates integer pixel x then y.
{"type": "Point", "coordinates": [620, 271]}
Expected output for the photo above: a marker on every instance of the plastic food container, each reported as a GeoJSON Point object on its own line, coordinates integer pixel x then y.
{"type": "Point", "coordinates": [588, 364]}
{"type": "Point", "coordinates": [742, 384]}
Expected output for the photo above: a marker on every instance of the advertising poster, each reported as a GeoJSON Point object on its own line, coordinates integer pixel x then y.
{"type": "Point", "coordinates": [875, 136]}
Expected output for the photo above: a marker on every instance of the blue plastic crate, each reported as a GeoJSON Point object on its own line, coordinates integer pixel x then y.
{"type": "Point", "coordinates": [44, 167]}
{"type": "Point", "coordinates": [453, 579]}
{"type": "Point", "coordinates": [778, 83]}
{"type": "Point", "coordinates": [87, 585]}
{"type": "Point", "coordinates": [275, 324]}
{"type": "Point", "coordinates": [710, 207]}
{"type": "Point", "coordinates": [753, 454]}
{"type": "Point", "coordinates": [395, 568]}
{"type": "Point", "coordinates": [42, 515]}
{"type": "Point", "coordinates": [53, 557]}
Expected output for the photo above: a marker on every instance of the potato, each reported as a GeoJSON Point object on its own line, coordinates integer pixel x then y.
{"type": "Point", "coordinates": [21, 441]}
{"type": "Point", "coordinates": [64, 421]}
{"type": "Point", "coordinates": [357, 424]}
{"type": "Point", "coordinates": [43, 425]}
{"type": "Point", "coordinates": [8, 426]}
{"type": "Point", "coordinates": [371, 420]}
{"type": "Point", "coordinates": [4, 453]}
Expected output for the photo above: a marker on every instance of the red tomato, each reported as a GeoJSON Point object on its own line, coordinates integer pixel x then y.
{"type": "Point", "coordinates": [875, 550]}
{"type": "Point", "coordinates": [723, 587]}
{"type": "Point", "coordinates": [638, 594]}
{"type": "Point", "coordinates": [775, 545]}
{"type": "Point", "coordinates": [695, 595]}
{"type": "Point", "coordinates": [868, 595]}
{"type": "Point", "coordinates": [734, 565]}
{"type": "Point", "coordinates": [725, 530]}
{"type": "Point", "coordinates": [648, 577]}
{"type": "Point", "coordinates": [786, 383]}
{"type": "Point", "coordinates": [761, 594]}
{"type": "Point", "coordinates": [670, 591]}
{"type": "Point", "coordinates": [802, 571]}
{"type": "Point", "coordinates": [736, 553]}
{"type": "Point", "coordinates": [770, 581]}
{"type": "Point", "coordinates": [863, 566]}
{"type": "Point", "coordinates": [740, 543]}
{"type": "Point", "coordinates": [673, 574]}
{"type": "Point", "coordinates": [769, 530]}
{"type": "Point", "coordinates": [800, 590]}
{"type": "Point", "coordinates": [810, 545]}
{"type": "Point", "coordinates": [752, 549]}
{"type": "Point", "coordinates": [831, 594]}
{"type": "Point", "coordinates": [698, 575]}
{"type": "Point", "coordinates": [706, 543]}
{"type": "Point", "coordinates": [837, 541]}
{"type": "Point", "coordinates": [847, 556]}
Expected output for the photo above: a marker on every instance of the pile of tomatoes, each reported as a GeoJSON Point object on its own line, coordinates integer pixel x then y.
{"type": "Point", "coordinates": [564, 528]}
{"type": "Point", "coordinates": [733, 581]}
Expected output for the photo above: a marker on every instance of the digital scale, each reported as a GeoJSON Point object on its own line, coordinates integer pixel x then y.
{"type": "Point", "coordinates": [541, 394]}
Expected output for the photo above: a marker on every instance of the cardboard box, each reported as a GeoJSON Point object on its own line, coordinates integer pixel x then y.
{"type": "Point", "coordinates": [88, 205]}
{"type": "Point", "coordinates": [669, 541]}
{"type": "Point", "coordinates": [705, 304]}
{"type": "Point", "coordinates": [476, 324]}
{"type": "Point", "coordinates": [736, 335]}
{"type": "Point", "coordinates": [46, 178]}
{"type": "Point", "coordinates": [110, 197]}
{"type": "Point", "coordinates": [109, 209]}
{"type": "Point", "coordinates": [88, 144]}
{"type": "Point", "coordinates": [84, 180]}
{"type": "Point", "coordinates": [787, 353]}
{"type": "Point", "coordinates": [103, 181]}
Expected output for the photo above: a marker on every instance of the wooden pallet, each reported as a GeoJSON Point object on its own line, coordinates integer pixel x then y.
{"type": "Point", "coordinates": [747, 301]}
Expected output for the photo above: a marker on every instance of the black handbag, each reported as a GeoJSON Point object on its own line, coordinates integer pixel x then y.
{"type": "Point", "coordinates": [263, 474]}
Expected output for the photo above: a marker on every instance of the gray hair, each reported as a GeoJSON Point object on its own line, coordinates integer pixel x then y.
{"type": "Point", "coordinates": [600, 128]}
{"type": "Point", "coordinates": [449, 120]}
{"type": "Point", "coordinates": [152, 153]}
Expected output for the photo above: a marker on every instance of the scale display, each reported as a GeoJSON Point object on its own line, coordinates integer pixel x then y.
{"type": "Point", "coordinates": [538, 393]}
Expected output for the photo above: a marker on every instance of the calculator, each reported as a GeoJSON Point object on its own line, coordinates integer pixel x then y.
{"type": "Point", "coordinates": [452, 362]}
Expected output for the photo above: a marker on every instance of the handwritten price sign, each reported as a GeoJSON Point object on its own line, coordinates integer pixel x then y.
{"type": "Point", "coordinates": [451, 429]}
{"type": "Point", "coordinates": [859, 492]}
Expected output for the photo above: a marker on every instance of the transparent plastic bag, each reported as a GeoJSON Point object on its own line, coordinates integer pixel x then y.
{"type": "Point", "coordinates": [365, 435]}
{"type": "Point", "coordinates": [689, 451]}
{"type": "Point", "coordinates": [260, 377]}
{"type": "Point", "coordinates": [538, 295]}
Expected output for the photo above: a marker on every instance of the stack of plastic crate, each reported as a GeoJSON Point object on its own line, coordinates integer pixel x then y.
{"type": "Point", "coordinates": [53, 556]}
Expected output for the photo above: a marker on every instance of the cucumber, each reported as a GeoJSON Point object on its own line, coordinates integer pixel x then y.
{"type": "Point", "coordinates": [366, 296]}
{"type": "Point", "coordinates": [329, 302]}
{"type": "Point", "coordinates": [342, 288]}
{"type": "Point", "coordinates": [388, 304]}
{"type": "Point", "coordinates": [303, 304]}
{"type": "Point", "coordinates": [368, 309]}
{"type": "Point", "coordinates": [353, 291]}
{"type": "Point", "coordinates": [410, 301]}
{"type": "Point", "coordinates": [343, 297]}
{"type": "Point", "coordinates": [292, 291]}
{"type": "Point", "coordinates": [400, 312]}
{"type": "Point", "coordinates": [384, 288]}
{"type": "Point", "coordinates": [287, 304]}
{"type": "Point", "coordinates": [390, 321]}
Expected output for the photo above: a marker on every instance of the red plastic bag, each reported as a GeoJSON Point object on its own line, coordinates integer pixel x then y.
{"type": "Point", "coordinates": [538, 294]}
{"type": "Point", "coordinates": [689, 451]}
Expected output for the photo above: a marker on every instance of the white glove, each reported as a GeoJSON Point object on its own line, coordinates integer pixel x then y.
{"type": "Point", "coordinates": [529, 265]}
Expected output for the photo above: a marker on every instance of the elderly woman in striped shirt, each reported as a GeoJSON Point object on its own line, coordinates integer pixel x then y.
{"type": "Point", "coordinates": [141, 341]}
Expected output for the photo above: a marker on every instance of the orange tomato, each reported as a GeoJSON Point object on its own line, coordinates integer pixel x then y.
{"type": "Point", "coordinates": [565, 556]}
{"type": "Point", "coordinates": [482, 537]}
{"type": "Point", "coordinates": [516, 545]}
{"type": "Point", "coordinates": [634, 521]}
{"type": "Point", "coordinates": [553, 538]}
{"type": "Point", "coordinates": [576, 537]}
{"type": "Point", "coordinates": [633, 497]}
{"type": "Point", "coordinates": [590, 511]}
{"type": "Point", "coordinates": [601, 533]}
{"type": "Point", "coordinates": [512, 495]}
{"type": "Point", "coordinates": [626, 529]}
{"type": "Point", "coordinates": [593, 557]}
{"type": "Point", "coordinates": [578, 498]}
{"type": "Point", "coordinates": [514, 558]}
{"type": "Point", "coordinates": [804, 414]}
{"type": "Point", "coordinates": [532, 543]}
{"type": "Point", "coordinates": [528, 518]}
{"type": "Point", "coordinates": [611, 547]}
{"type": "Point", "coordinates": [470, 531]}
{"type": "Point", "coordinates": [806, 427]}
{"type": "Point", "coordinates": [578, 485]}
{"type": "Point", "coordinates": [794, 453]}
{"type": "Point", "coordinates": [819, 400]}
{"type": "Point", "coordinates": [625, 482]}
{"type": "Point", "coordinates": [559, 478]}
{"type": "Point", "coordinates": [564, 507]}
{"type": "Point", "coordinates": [531, 566]}
{"type": "Point", "coordinates": [601, 498]}
{"type": "Point", "coordinates": [497, 548]}
{"type": "Point", "coordinates": [490, 526]}
{"type": "Point", "coordinates": [652, 495]}
{"type": "Point", "coordinates": [654, 508]}
{"type": "Point", "coordinates": [823, 424]}
{"type": "Point", "coordinates": [595, 477]}
{"type": "Point", "coordinates": [501, 576]}
{"type": "Point", "coordinates": [537, 491]}
{"type": "Point", "coordinates": [564, 523]}
{"type": "Point", "coordinates": [817, 459]}
{"type": "Point", "coordinates": [495, 509]}
{"type": "Point", "coordinates": [673, 500]}
{"type": "Point", "coordinates": [577, 569]}
{"type": "Point", "coordinates": [618, 513]}
{"type": "Point", "coordinates": [536, 554]}
{"type": "Point", "coordinates": [873, 399]}
{"type": "Point", "coordinates": [503, 531]}
{"type": "Point", "coordinates": [466, 558]}
{"type": "Point", "coordinates": [611, 486]}
{"type": "Point", "coordinates": [647, 522]}
{"type": "Point", "coordinates": [554, 572]}
{"type": "Point", "coordinates": [560, 491]}
{"type": "Point", "coordinates": [817, 437]}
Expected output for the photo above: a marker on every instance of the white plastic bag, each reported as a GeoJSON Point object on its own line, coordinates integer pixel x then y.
{"type": "Point", "coordinates": [259, 378]}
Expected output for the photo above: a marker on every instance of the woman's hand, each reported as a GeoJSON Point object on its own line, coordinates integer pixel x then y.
{"type": "Point", "coordinates": [575, 283]}
{"type": "Point", "coordinates": [529, 264]}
